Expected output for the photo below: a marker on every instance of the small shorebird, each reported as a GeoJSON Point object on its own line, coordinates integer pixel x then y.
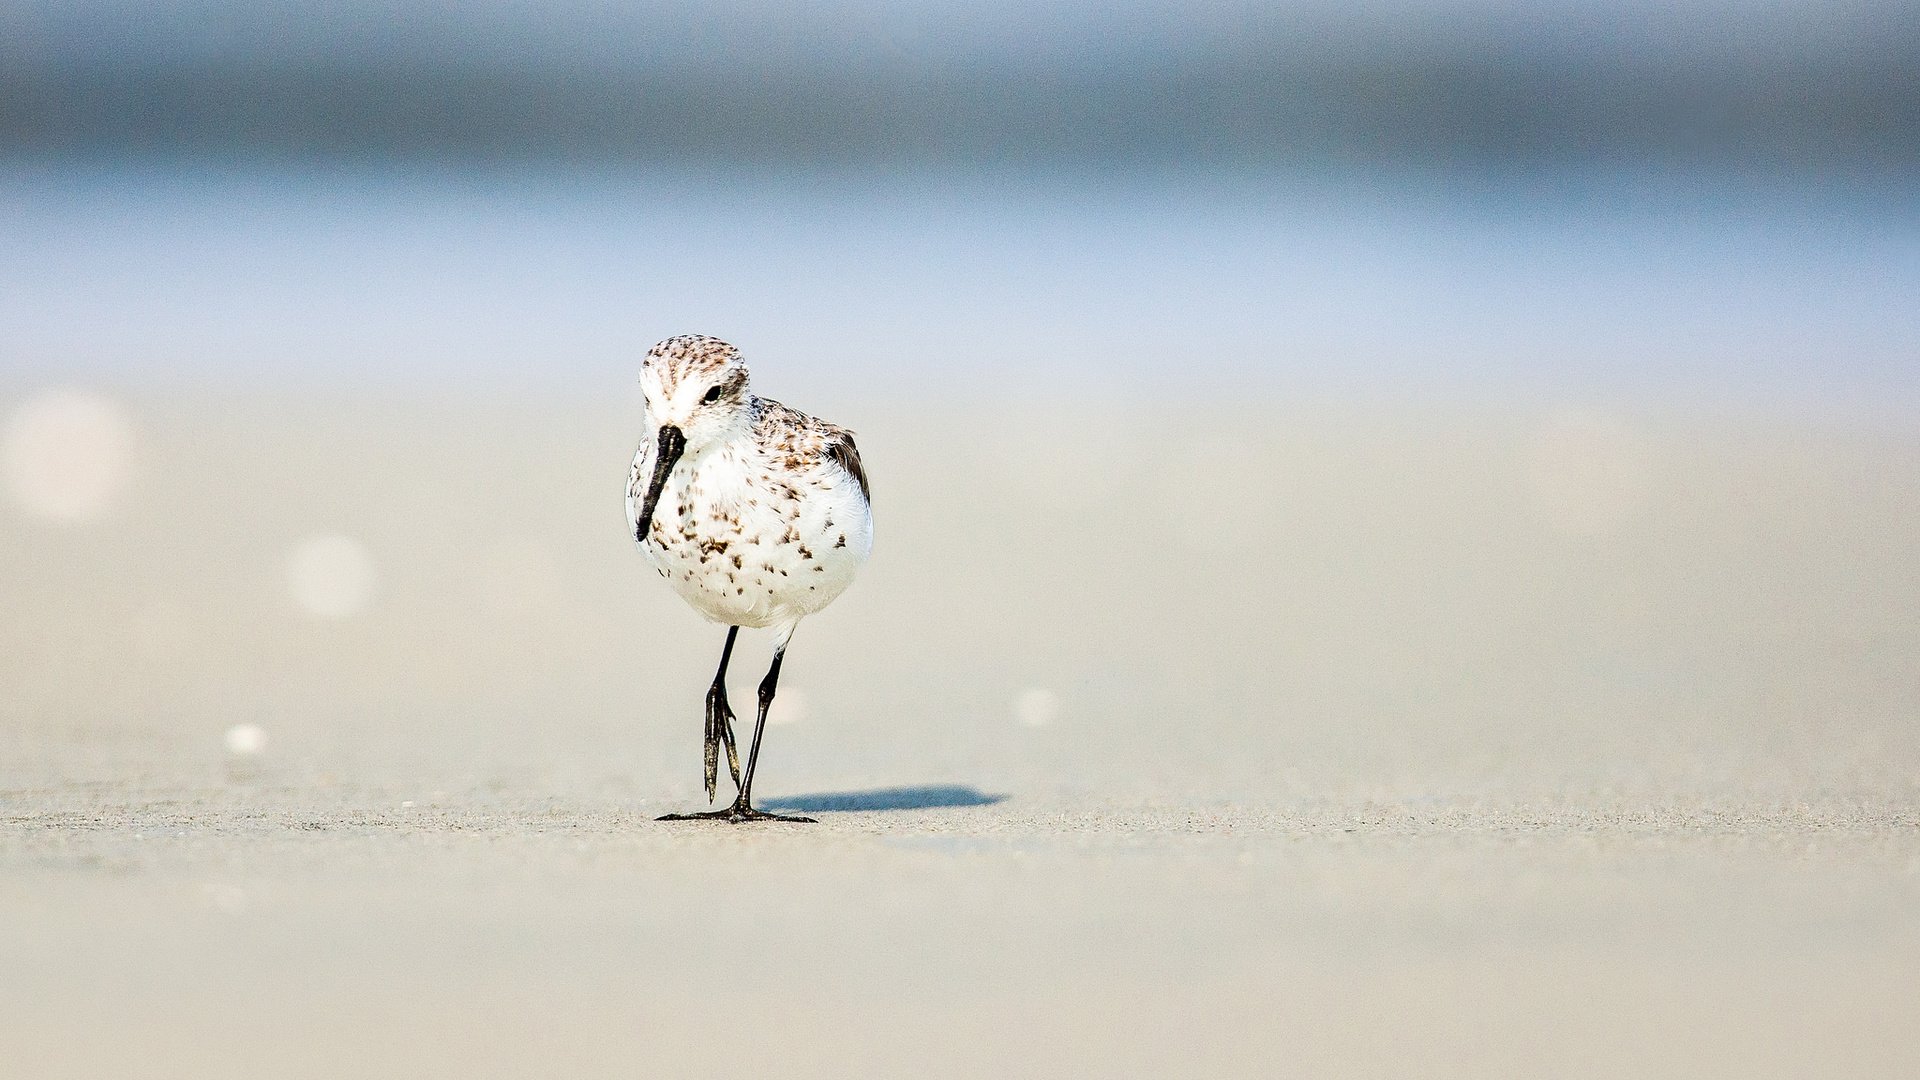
{"type": "Point", "coordinates": [756, 513]}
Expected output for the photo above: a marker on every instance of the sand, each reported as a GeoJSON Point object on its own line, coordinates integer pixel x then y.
{"type": "Point", "coordinates": [1475, 742]}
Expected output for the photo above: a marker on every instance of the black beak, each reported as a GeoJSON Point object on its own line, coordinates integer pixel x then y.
{"type": "Point", "coordinates": [672, 445]}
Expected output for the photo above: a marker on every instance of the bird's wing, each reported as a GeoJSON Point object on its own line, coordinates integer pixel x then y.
{"type": "Point", "coordinates": [842, 452]}
{"type": "Point", "coordinates": [789, 429]}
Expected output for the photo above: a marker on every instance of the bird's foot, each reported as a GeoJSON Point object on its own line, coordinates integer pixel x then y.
{"type": "Point", "coordinates": [719, 731]}
{"type": "Point", "coordinates": [736, 814]}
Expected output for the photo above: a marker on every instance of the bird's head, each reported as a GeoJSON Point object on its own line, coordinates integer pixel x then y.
{"type": "Point", "coordinates": [697, 385]}
{"type": "Point", "coordinates": [696, 396]}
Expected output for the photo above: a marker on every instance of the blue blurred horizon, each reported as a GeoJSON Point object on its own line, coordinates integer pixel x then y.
{"type": "Point", "coordinates": [1537, 198]}
{"type": "Point", "coordinates": [1809, 90]}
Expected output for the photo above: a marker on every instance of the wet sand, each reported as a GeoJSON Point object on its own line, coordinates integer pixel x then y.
{"type": "Point", "coordinates": [1370, 741]}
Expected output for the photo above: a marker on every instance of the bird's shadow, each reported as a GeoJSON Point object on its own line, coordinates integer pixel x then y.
{"type": "Point", "coordinates": [922, 797]}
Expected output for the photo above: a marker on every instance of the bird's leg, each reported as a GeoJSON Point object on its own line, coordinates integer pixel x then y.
{"type": "Point", "coordinates": [720, 722]}
{"type": "Point", "coordinates": [720, 718]}
{"type": "Point", "coordinates": [742, 808]}
{"type": "Point", "coordinates": [719, 725]}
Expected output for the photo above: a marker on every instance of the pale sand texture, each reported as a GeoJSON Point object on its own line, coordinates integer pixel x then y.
{"type": "Point", "coordinates": [1476, 742]}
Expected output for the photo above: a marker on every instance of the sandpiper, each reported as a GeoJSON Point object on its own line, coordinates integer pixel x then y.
{"type": "Point", "coordinates": [757, 513]}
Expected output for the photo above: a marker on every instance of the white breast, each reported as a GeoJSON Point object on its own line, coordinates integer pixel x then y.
{"type": "Point", "coordinates": [749, 544]}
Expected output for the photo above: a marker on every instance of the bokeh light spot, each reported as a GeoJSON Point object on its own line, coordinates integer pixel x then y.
{"type": "Point", "coordinates": [1036, 707]}
{"type": "Point", "coordinates": [246, 740]}
{"type": "Point", "coordinates": [331, 576]}
{"type": "Point", "coordinates": [67, 454]}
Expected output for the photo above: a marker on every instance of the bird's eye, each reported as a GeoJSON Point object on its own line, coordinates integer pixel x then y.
{"type": "Point", "coordinates": [713, 395]}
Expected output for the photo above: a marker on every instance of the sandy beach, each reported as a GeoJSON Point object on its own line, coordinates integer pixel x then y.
{"type": "Point", "coordinates": [1485, 741]}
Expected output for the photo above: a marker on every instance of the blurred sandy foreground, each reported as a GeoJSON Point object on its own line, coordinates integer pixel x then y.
{"type": "Point", "coordinates": [1159, 738]}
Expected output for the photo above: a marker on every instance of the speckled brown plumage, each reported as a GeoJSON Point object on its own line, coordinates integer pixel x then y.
{"type": "Point", "coordinates": [731, 495]}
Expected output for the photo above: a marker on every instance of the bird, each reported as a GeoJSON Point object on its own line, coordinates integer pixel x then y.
{"type": "Point", "coordinates": [757, 514]}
